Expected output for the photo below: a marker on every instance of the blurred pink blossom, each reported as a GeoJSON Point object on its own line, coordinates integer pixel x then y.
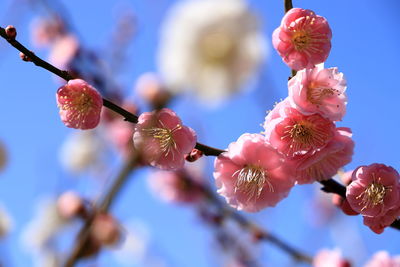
{"type": "Point", "coordinates": [63, 51]}
{"type": "Point", "coordinates": [45, 30]}
{"type": "Point", "coordinates": [252, 175]}
{"type": "Point", "coordinates": [324, 163]}
{"type": "Point", "coordinates": [80, 104]}
{"type": "Point", "coordinates": [176, 186]}
{"type": "Point", "coordinates": [303, 39]}
{"type": "Point", "coordinates": [106, 230]}
{"type": "Point", "coordinates": [163, 140]}
{"type": "Point", "coordinates": [383, 259]}
{"type": "Point", "coordinates": [120, 133]}
{"type": "Point", "coordinates": [320, 91]}
{"type": "Point", "coordinates": [374, 190]}
{"type": "Point", "coordinates": [330, 258]}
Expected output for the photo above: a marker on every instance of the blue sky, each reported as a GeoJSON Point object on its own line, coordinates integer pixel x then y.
{"type": "Point", "coordinates": [364, 47]}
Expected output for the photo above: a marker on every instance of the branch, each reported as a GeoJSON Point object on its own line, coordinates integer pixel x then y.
{"type": "Point", "coordinates": [62, 74]}
{"type": "Point", "coordinates": [288, 5]}
{"type": "Point", "coordinates": [258, 231]}
{"type": "Point", "coordinates": [102, 207]}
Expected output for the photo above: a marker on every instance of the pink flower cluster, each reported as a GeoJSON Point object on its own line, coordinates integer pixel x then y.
{"type": "Point", "coordinates": [302, 127]}
{"type": "Point", "coordinates": [301, 144]}
{"type": "Point", "coordinates": [374, 192]}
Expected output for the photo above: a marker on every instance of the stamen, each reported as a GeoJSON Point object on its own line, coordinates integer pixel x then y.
{"type": "Point", "coordinates": [80, 105]}
{"type": "Point", "coordinates": [164, 137]}
{"type": "Point", "coordinates": [301, 40]}
{"type": "Point", "coordinates": [251, 180]}
{"type": "Point", "coordinates": [317, 94]}
{"type": "Point", "coordinates": [302, 135]}
{"type": "Point", "coordinates": [374, 194]}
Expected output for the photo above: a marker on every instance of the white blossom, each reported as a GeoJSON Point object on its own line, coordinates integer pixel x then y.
{"type": "Point", "coordinates": [80, 150]}
{"type": "Point", "coordinates": [210, 46]}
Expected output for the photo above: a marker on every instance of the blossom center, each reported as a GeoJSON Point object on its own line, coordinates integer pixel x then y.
{"type": "Point", "coordinates": [301, 132]}
{"type": "Point", "coordinates": [373, 195]}
{"type": "Point", "coordinates": [251, 180]}
{"type": "Point", "coordinates": [217, 48]}
{"type": "Point", "coordinates": [317, 94]}
{"type": "Point", "coordinates": [301, 40]}
{"type": "Point", "coordinates": [164, 136]}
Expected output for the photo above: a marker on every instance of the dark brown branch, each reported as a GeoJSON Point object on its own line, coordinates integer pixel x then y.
{"type": "Point", "coordinates": [288, 5]}
{"type": "Point", "coordinates": [62, 74]}
{"type": "Point", "coordinates": [209, 151]}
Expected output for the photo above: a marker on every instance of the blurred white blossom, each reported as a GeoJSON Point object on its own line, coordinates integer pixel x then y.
{"type": "Point", "coordinates": [80, 150]}
{"type": "Point", "coordinates": [133, 249]}
{"type": "Point", "coordinates": [210, 46]}
{"type": "Point", "coordinates": [6, 222]}
{"type": "Point", "coordinates": [38, 233]}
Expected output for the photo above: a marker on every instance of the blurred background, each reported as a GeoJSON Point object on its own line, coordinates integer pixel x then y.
{"type": "Point", "coordinates": [113, 44]}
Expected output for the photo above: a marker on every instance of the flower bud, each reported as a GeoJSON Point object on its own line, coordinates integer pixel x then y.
{"type": "Point", "coordinates": [194, 155]}
{"type": "Point", "coordinates": [11, 32]}
{"type": "Point", "coordinates": [24, 57]}
{"type": "Point", "coordinates": [69, 205]}
{"type": "Point", "coordinates": [106, 230]}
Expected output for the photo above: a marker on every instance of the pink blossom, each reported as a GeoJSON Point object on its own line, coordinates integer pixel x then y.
{"type": "Point", "coordinates": [176, 186]}
{"type": "Point", "coordinates": [378, 223]}
{"type": "Point", "coordinates": [320, 91]}
{"type": "Point", "coordinates": [252, 175]}
{"type": "Point", "coordinates": [296, 134]}
{"type": "Point", "coordinates": [80, 104]}
{"type": "Point", "coordinates": [163, 139]}
{"type": "Point", "coordinates": [303, 39]}
{"type": "Point", "coordinates": [324, 163]}
{"type": "Point", "coordinates": [330, 258]}
{"type": "Point", "coordinates": [383, 259]}
{"type": "Point", "coordinates": [374, 190]}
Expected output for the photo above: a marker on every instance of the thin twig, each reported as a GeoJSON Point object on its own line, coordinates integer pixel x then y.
{"type": "Point", "coordinates": [260, 233]}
